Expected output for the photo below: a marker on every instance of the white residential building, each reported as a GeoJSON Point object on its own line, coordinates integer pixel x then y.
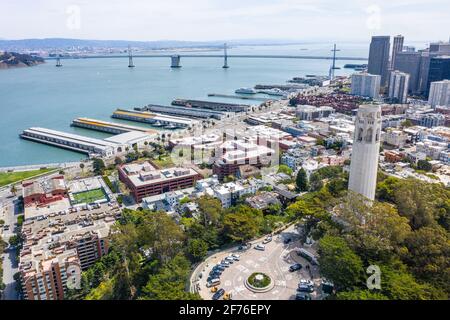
{"type": "Point", "coordinates": [366, 85]}
{"type": "Point", "coordinates": [439, 93]}
{"type": "Point", "coordinates": [398, 86]}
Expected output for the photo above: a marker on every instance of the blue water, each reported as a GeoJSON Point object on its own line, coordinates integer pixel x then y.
{"type": "Point", "coordinates": [51, 97]}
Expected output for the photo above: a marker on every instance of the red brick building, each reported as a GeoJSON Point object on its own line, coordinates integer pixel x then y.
{"type": "Point", "coordinates": [144, 180]}
{"type": "Point", "coordinates": [43, 193]}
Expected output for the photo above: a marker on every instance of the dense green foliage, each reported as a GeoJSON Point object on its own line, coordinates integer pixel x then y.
{"type": "Point", "coordinates": [302, 180]}
{"type": "Point", "coordinates": [151, 255]}
{"type": "Point", "coordinates": [404, 232]}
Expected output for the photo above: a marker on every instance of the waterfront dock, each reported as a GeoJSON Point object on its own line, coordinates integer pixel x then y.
{"type": "Point", "coordinates": [235, 96]}
{"type": "Point", "coordinates": [74, 142]}
{"type": "Point", "coordinates": [183, 111]}
{"type": "Point", "coordinates": [109, 127]}
{"type": "Point", "coordinates": [210, 105]}
{"type": "Point", "coordinates": [155, 119]}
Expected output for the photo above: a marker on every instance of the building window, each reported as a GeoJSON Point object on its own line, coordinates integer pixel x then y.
{"type": "Point", "coordinates": [369, 135]}
{"type": "Point", "coordinates": [360, 134]}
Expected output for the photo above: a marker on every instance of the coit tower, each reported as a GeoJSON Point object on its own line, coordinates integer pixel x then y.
{"type": "Point", "coordinates": [366, 148]}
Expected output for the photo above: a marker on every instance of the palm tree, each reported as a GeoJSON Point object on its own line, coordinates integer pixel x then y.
{"type": "Point", "coordinates": [82, 167]}
{"type": "Point", "coordinates": [13, 190]}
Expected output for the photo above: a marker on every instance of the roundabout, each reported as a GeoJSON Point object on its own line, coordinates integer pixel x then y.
{"type": "Point", "coordinates": [259, 282]}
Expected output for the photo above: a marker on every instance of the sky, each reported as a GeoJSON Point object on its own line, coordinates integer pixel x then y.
{"type": "Point", "coordinates": [203, 20]}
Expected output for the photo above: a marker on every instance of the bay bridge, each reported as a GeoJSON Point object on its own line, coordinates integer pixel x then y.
{"type": "Point", "coordinates": [176, 58]}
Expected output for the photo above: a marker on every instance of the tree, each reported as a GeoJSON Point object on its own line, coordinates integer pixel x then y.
{"type": "Point", "coordinates": [302, 180]}
{"type": "Point", "coordinates": [118, 161]}
{"type": "Point", "coordinates": [282, 168]}
{"type": "Point", "coordinates": [13, 189]}
{"type": "Point", "coordinates": [360, 294]}
{"type": "Point", "coordinates": [407, 123]}
{"type": "Point", "coordinates": [424, 165]}
{"type": "Point", "coordinates": [99, 166]}
{"type": "Point", "coordinates": [170, 282]}
{"type": "Point", "coordinates": [398, 284]}
{"type": "Point", "coordinates": [428, 255]}
{"type": "Point", "coordinates": [374, 232]}
{"type": "Point", "coordinates": [315, 182]}
{"type": "Point", "coordinates": [82, 166]}
{"type": "Point", "coordinates": [210, 210]}
{"type": "Point", "coordinates": [197, 249]}
{"type": "Point", "coordinates": [339, 263]}
{"type": "Point", "coordinates": [242, 223]}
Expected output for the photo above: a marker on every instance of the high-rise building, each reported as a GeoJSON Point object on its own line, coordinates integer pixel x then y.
{"type": "Point", "coordinates": [365, 152]}
{"type": "Point", "coordinates": [396, 48]}
{"type": "Point", "coordinates": [409, 62]}
{"type": "Point", "coordinates": [435, 50]}
{"type": "Point", "coordinates": [398, 86]}
{"type": "Point", "coordinates": [439, 70]}
{"type": "Point", "coordinates": [439, 93]}
{"type": "Point", "coordinates": [366, 85]}
{"type": "Point", "coordinates": [379, 57]}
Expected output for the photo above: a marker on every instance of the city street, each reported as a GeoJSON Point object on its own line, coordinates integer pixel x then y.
{"type": "Point", "coordinates": [274, 261]}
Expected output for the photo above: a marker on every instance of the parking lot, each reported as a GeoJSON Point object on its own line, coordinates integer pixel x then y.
{"type": "Point", "coordinates": [274, 261]}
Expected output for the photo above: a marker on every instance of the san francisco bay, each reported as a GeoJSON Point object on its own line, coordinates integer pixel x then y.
{"type": "Point", "coordinates": [45, 96]}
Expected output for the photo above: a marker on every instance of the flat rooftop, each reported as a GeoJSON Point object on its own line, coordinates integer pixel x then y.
{"type": "Point", "coordinates": [145, 174]}
{"type": "Point", "coordinates": [75, 138]}
{"type": "Point", "coordinates": [101, 123]}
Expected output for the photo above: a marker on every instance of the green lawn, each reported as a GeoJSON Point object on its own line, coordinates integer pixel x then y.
{"type": "Point", "coordinates": [10, 177]}
{"type": "Point", "coordinates": [89, 196]}
{"type": "Point", "coordinates": [165, 162]}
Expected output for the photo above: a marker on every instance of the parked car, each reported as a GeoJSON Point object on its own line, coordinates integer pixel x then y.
{"type": "Point", "coordinates": [236, 257]}
{"type": "Point", "coordinates": [295, 267]}
{"type": "Point", "coordinates": [302, 296]}
{"type": "Point", "coordinates": [219, 267]}
{"type": "Point", "coordinates": [243, 247]}
{"type": "Point", "coordinates": [225, 263]}
{"type": "Point", "coordinates": [213, 282]}
{"type": "Point", "coordinates": [267, 240]}
{"type": "Point", "coordinates": [305, 288]}
{"type": "Point", "coordinates": [218, 294]}
{"type": "Point", "coordinates": [230, 259]}
{"type": "Point", "coordinates": [260, 247]}
{"type": "Point", "coordinates": [307, 282]}
{"type": "Point", "coordinates": [215, 273]}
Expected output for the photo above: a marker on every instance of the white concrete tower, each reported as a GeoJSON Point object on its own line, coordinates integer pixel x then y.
{"type": "Point", "coordinates": [365, 152]}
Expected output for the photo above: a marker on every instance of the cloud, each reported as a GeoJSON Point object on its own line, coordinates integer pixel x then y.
{"type": "Point", "coordinates": [224, 19]}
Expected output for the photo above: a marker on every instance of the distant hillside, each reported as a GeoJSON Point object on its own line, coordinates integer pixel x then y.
{"type": "Point", "coordinates": [60, 43]}
{"type": "Point", "coordinates": [16, 60]}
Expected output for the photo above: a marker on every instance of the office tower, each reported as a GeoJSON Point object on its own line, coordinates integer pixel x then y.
{"type": "Point", "coordinates": [396, 48]}
{"type": "Point", "coordinates": [439, 93]}
{"type": "Point", "coordinates": [366, 85]}
{"type": "Point", "coordinates": [439, 70]}
{"type": "Point", "coordinates": [366, 147]}
{"type": "Point", "coordinates": [435, 50]}
{"type": "Point", "coordinates": [398, 86]}
{"type": "Point", "coordinates": [379, 57]}
{"type": "Point", "coordinates": [410, 62]}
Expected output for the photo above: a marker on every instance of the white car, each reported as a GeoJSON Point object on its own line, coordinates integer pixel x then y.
{"type": "Point", "coordinates": [236, 257]}
{"type": "Point", "coordinates": [267, 240]}
{"type": "Point", "coordinates": [306, 282]}
{"type": "Point", "coordinates": [229, 259]}
{"type": "Point", "coordinates": [260, 247]}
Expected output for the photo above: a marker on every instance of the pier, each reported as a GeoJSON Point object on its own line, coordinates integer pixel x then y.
{"type": "Point", "coordinates": [210, 105]}
{"type": "Point", "coordinates": [235, 96]}
{"type": "Point", "coordinates": [184, 111]}
{"type": "Point", "coordinates": [155, 119]}
{"type": "Point", "coordinates": [109, 127]}
{"type": "Point", "coordinates": [74, 142]}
